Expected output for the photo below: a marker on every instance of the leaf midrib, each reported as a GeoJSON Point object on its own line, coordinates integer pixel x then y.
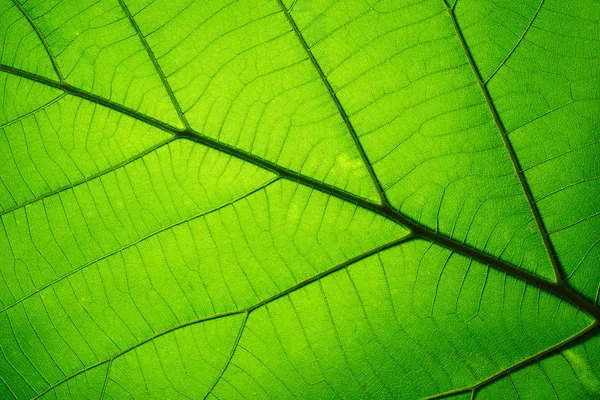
{"type": "Point", "coordinates": [417, 230]}
{"type": "Point", "coordinates": [382, 209]}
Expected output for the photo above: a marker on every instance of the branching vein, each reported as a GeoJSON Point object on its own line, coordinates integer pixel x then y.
{"type": "Point", "coordinates": [138, 241]}
{"type": "Point", "coordinates": [42, 39]}
{"type": "Point", "coordinates": [231, 354]}
{"type": "Point", "coordinates": [91, 177]}
{"type": "Point", "coordinates": [510, 53]}
{"type": "Point", "coordinates": [558, 290]}
{"type": "Point", "coordinates": [33, 112]}
{"type": "Point", "coordinates": [247, 311]}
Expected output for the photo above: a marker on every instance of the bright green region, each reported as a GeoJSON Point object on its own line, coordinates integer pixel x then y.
{"type": "Point", "coordinates": [424, 122]}
{"type": "Point", "coordinates": [220, 260]}
{"type": "Point", "coordinates": [551, 109]}
{"type": "Point", "coordinates": [107, 214]}
{"type": "Point", "coordinates": [87, 385]}
{"type": "Point", "coordinates": [49, 151]}
{"type": "Point", "coordinates": [31, 97]}
{"type": "Point", "coordinates": [97, 50]}
{"type": "Point", "coordinates": [243, 78]}
{"type": "Point", "coordinates": [493, 33]}
{"type": "Point", "coordinates": [182, 364]}
{"type": "Point", "coordinates": [207, 199]}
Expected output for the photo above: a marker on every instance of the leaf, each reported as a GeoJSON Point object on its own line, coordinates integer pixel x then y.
{"type": "Point", "coordinates": [299, 199]}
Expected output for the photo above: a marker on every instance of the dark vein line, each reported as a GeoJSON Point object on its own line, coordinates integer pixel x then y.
{"type": "Point", "coordinates": [42, 39]}
{"type": "Point", "coordinates": [558, 274]}
{"type": "Point", "coordinates": [279, 170]}
{"type": "Point", "coordinates": [510, 53]}
{"type": "Point", "coordinates": [571, 341]}
{"type": "Point", "coordinates": [12, 393]}
{"type": "Point", "coordinates": [231, 354]}
{"type": "Point", "coordinates": [92, 98]}
{"type": "Point", "coordinates": [552, 287]}
{"type": "Point", "coordinates": [330, 271]}
{"type": "Point", "coordinates": [106, 379]}
{"type": "Point", "coordinates": [336, 101]}
{"type": "Point", "coordinates": [246, 310]}
{"type": "Point", "coordinates": [91, 177]}
{"type": "Point", "coordinates": [138, 241]}
{"type": "Point", "coordinates": [157, 66]}
{"type": "Point", "coordinates": [538, 117]}
{"type": "Point", "coordinates": [32, 112]}
{"type": "Point", "coordinates": [133, 347]}
{"type": "Point", "coordinates": [382, 209]}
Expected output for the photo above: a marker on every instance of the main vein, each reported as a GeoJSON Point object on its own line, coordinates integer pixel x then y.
{"type": "Point", "coordinates": [555, 288]}
{"type": "Point", "coordinates": [558, 274]}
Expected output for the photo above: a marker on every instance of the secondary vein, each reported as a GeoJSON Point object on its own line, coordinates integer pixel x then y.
{"type": "Point", "coordinates": [336, 101]}
{"type": "Point", "coordinates": [558, 273]}
{"type": "Point", "coordinates": [231, 354]}
{"type": "Point", "coordinates": [157, 66]}
{"type": "Point", "coordinates": [248, 310]}
{"type": "Point", "coordinates": [138, 241]}
{"type": "Point", "coordinates": [42, 39]}
{"type": "Point", "coordinates": [89, 178]}
{"type": "Point", "coordinates": [588, 332]}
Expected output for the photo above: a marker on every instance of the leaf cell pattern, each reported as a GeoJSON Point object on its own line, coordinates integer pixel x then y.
{"type": "Point", "coordinates": [299, 199]}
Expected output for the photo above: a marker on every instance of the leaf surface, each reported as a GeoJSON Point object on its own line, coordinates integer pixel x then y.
{"type": "Point", "coordinates": [299, 199]}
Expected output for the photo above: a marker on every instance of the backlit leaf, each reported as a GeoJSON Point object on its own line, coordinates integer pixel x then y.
{"type": "Point", "coordinates": [299, 199]}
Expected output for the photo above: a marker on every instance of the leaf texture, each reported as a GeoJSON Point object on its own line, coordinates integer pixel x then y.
{"type": "Point", "coordinates": [299, 199]}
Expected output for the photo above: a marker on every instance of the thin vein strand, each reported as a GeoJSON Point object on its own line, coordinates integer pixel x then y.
{"type": "Point", "coordinates": [42, 39]}
{"type": "Point", "coordinates": [510, 53]}
{"type": "Point", "coordinates": [33, 112]}
{"type": "Point", "coordinates": [231, 354]}
{"type": "Point", "coordinates": [106, 379]}
{"type": "Point", "coordinates": [65, 87]}
{"type": "Point", "coordinates": [89, 178]}
{"type": "Point", "coordinates": [138, 241]}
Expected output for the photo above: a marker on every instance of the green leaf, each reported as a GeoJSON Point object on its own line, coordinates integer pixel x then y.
{"type": "Point", "coordinates": [299, 199]}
